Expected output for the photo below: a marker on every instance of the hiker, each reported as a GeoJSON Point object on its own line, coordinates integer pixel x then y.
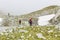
{"type": "Point", "coordinates": [20, 22]}
{"type": "Point", "coordinates": [30, 21]}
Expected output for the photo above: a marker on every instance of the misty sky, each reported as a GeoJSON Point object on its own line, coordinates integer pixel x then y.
{"type": "Point", "coordinates": [18, 7]}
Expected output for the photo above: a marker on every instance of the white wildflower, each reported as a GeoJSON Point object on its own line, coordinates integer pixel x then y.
{"type": "Point", "coordinates": [7, 38]}
{"type": "Point", "coordinates": [56, 35]}
{"type": "Point", "coordinates": [50, 31]}
{"type": "Point", "coordinates": [19, 39]}
{"type": "Point", "coordinates": [39, 35]}
{"type": "Point", "coordinates": [2, 33]}
{"type": "Point", "coordinates": [23, 31]}
{"type": "Point", "coordinates": [22, 36]}
{"type": "Point", "coordinates": [29, 35]}
{"type": "Point", "coordinates": [6, 33]}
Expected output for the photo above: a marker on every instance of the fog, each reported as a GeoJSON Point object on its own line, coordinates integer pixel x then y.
{"type": "Point", "coordinates": [19, 7]}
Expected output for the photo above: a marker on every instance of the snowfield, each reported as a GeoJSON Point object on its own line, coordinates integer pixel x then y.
{"type": "Point", "coordinates": [43, 20]}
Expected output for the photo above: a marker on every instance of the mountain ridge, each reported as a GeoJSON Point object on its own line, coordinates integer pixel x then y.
{"type": "Point", "coordinates": [45, 11]}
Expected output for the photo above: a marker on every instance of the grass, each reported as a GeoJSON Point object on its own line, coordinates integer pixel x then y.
{"type": "Point", "coordinates": [29, 33]}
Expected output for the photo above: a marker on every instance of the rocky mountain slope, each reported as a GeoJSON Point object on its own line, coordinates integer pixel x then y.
{"type": "Point", "coordinates": [45, 11]}
{"type": "Point", "coordinates": [54, 9]}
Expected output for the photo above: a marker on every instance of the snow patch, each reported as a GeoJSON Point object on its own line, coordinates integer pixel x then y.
{"type": "Point", "coordinates": [43, 20]}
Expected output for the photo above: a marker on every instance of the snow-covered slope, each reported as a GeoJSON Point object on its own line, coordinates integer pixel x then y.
{"type": "Point", "coordinates": [43, 20]}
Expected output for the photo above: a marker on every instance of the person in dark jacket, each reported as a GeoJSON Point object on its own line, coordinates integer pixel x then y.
{"type": "Point", "coordinates": [30, 21]}
{"type": "Point", "coordinates": [19, 21]}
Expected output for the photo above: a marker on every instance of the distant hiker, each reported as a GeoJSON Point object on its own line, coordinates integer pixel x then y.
{"type": "Point", "coordinates": [8, 14]}
{"type": "Point", "coordinates": [19, 21]}
{"type": "Point", "coordinates": [30, 21]}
